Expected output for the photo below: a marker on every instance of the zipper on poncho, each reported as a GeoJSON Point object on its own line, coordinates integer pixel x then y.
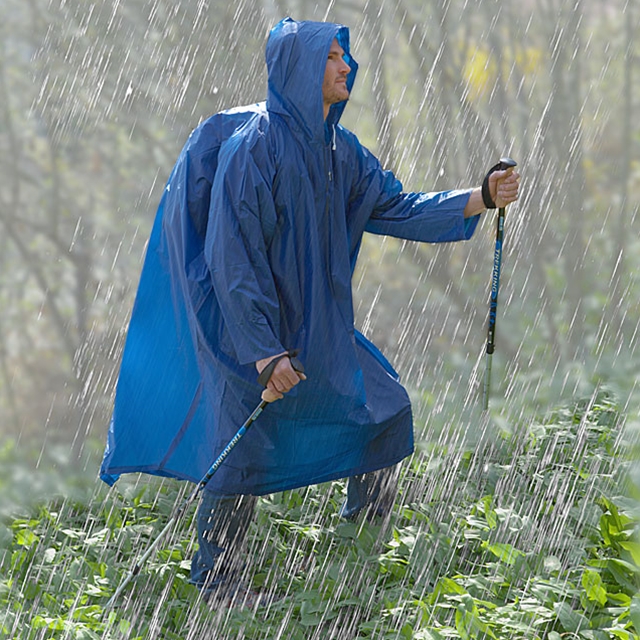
{"type": "Point", "coordinates": [327, 211]}
{"type": "Point", "coordinates": [329, 148]}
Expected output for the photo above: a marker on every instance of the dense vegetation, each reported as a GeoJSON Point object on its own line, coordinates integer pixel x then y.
{"type": "Point", "coordinates": [529, 536]}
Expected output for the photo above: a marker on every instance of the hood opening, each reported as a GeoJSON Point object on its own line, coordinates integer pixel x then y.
{"type": "Point", "coordinates": [296, 56]}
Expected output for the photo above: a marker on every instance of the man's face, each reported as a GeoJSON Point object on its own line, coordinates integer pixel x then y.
{"type": "Point", "coordinates": [334, 85]}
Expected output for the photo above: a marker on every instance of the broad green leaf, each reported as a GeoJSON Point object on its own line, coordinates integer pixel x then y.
{"type": "Point", "coordinates": [623, 573]}
{"type": "Point", "coordinates": [613, 524]}
{"type": "Point", "coordinates": [619, 598]}
{"type": "Point", "coordinates": [26, 538]}
{"type": "Point", "coordinates": [313, 613]}
{"type": "Point", "coordinates": [123, 626]}
{"type": "Point", "coordinates": [634, 613]}
{"type": "Point", "coordinates": [490, 515]}
{"type": "Point", "coordinates": [46, 622]}
{"type": "Point", "coordinates": [592, 584]}
{"type": "Point", "coordinates": [469, 624]}
{"type": "Point", "coordinates": [447, 586]}
{"type": "Point", "coordinates": [505, 552]}
{"type": "Point", "coordinates": [634, 549]}
{"type": "Point", "coordinates": [570, 619]}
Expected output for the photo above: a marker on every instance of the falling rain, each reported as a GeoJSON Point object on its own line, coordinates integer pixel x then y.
{"type": "Point", "coordinates": [518, 521]}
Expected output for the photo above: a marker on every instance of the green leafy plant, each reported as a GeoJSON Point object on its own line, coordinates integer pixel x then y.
{"type": "Point", "coordinates": [536, 539]}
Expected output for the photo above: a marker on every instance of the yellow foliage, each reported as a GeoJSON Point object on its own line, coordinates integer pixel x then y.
{"type": "Point", "coordinates": [481, 68]}
{"type": "Point", "coordinates": [479, 71]}
{"type": "Point", "coordinates": [529, 60]}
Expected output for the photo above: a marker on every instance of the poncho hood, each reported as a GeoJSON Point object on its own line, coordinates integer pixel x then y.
{"type": "Point", "coordinates": [296, 56]}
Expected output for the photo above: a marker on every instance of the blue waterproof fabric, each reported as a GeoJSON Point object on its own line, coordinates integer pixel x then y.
{"type": "Point", "coordinates": [252, 253]}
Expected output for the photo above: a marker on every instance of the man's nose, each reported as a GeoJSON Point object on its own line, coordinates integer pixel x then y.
{"type": "Point", "coordinates": [345, 68]}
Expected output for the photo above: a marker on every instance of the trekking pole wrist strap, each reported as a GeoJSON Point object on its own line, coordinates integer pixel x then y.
{"type": "Point", "coordinates": [486, 192]}
{"type": "Point", "coordinates": [267, 372]}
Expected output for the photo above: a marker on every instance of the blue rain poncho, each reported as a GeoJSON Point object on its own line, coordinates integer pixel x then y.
{"type": "Point", "coordinates": [251, 254]}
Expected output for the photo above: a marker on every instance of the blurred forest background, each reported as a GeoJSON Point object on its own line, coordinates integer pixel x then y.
{"type": "Point", "coordinates": [97, 99]}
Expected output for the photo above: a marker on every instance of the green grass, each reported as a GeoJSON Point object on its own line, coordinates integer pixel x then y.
{"type": "Point", "coordinates": [531, 535]}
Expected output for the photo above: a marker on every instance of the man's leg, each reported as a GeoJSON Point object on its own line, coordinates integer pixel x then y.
{"type": "Point", "coordinates": [223, 522]}
{"type": "Point", "coordinates": [375, 491]}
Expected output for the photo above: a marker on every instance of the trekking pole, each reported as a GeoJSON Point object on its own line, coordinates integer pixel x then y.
{"type": "Point", "coordinates": [505, 163]}
{"type": "Point", "coordinates": [267, 397]}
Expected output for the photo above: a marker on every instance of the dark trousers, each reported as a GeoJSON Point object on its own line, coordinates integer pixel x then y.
{"type": "Point", "coordinates": [223, 522]}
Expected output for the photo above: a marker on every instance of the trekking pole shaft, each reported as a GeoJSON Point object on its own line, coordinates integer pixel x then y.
{"type": "Point", "coordinates": [232, 443]}
{"type": "Point", "coordinates": [504, 164]}
{"type": "Point", "coordinates": [493, 305]}
{"type": "Point", "coordinates": [143, 558]}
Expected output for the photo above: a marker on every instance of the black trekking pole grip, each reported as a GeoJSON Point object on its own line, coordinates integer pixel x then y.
{"type": "Point", "coordinates": [504, 164]}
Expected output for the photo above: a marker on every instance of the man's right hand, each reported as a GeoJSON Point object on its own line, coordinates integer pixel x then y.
{"type": "Point", "coordinates": [283, 378]}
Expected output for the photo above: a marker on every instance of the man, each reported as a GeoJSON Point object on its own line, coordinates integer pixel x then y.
{"type": "Point", "coordinates": [251, 256]}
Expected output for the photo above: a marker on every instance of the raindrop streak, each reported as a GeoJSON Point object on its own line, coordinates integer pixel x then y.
{"type": "Point", "coordinates": [502, 518]}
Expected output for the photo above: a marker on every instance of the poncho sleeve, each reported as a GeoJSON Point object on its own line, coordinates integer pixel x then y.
{"type": "Point", "coordinates": [242, 216]}
{"type": "Point", "coordinates": [424, 217]}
